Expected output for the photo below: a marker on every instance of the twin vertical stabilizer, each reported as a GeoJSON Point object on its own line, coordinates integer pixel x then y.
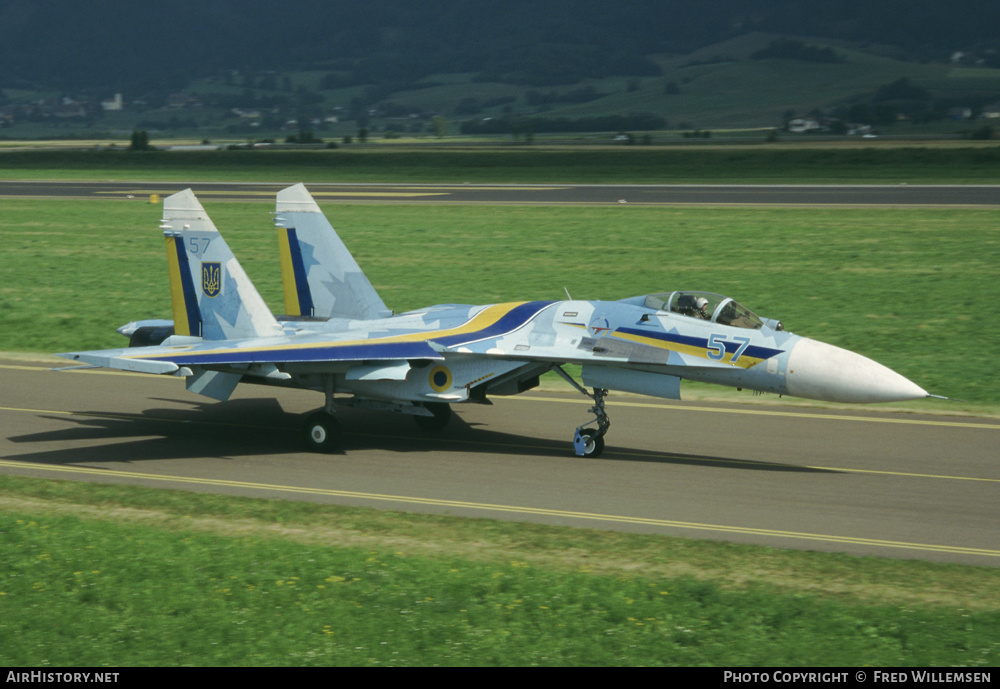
{"type": "Point", "coordinates": [319, 275]}
{"type": "Point", "coordinates": [212, 296]}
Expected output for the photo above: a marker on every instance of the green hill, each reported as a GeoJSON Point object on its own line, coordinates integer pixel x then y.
{"type": "Point", "coordinates": [237, 71]}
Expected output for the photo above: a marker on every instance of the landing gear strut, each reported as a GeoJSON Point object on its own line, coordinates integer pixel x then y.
{"type": "Point", "coordinates": [322, 430]}
{"type": "Point", "coordinates": [589, 442]}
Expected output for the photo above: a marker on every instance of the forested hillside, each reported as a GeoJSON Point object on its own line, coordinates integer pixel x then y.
{"type": "Point", "coordinates": [267, 70]}
{"type": "Point", "coordinates": [106, 44]}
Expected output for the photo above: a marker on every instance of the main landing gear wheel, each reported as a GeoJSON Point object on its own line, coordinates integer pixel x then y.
{"type": "Point", "coordinates": [433, 424]}
{"type": "Point", "coordinates": [322, 432]}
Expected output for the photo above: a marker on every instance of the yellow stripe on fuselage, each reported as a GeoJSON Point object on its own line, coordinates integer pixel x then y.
{"type": "Point", "coordinates": [701, 352]}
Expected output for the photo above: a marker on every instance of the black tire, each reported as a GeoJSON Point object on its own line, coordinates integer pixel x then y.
{"type": "Point", "coordinates": [594, 443]}
{"type": "Point", "coordinates": [322, 432]}
{"type": "Point", "coordinates": [436, 423]}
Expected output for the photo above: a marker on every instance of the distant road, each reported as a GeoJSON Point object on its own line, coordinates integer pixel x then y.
{"type": "Point", "coordinates": [987, 196]}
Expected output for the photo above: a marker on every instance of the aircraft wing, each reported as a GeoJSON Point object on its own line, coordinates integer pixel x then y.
{"type": "Point", "coordinates": [214, 369]}
{"type": "Point", "coordinates": [168, 359]}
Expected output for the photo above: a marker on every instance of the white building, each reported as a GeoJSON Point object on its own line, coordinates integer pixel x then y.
{"type": "Point", "coordinates": [112, 104]}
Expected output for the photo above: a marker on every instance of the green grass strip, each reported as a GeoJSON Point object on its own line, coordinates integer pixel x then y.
{"type": "Point", "coordinates": [964, 163]}
{"type": "Point", "coordinates": [121, 575]}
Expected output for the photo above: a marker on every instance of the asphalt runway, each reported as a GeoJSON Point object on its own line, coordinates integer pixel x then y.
{"type": "Point", "coordinates": [981, 196]}
{"type": "Point", "coordinates": [862, 482]}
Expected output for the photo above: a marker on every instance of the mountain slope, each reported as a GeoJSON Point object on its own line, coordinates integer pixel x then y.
{"type": "Point", "coordinates": [109, 44]}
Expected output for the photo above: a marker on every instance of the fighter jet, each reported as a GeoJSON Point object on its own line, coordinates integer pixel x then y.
{"type": "Point", "coordinates": [339, 338]}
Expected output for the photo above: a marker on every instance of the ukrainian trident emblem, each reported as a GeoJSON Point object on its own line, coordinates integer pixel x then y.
{"type": "Point", "coordinates": [211, 279]}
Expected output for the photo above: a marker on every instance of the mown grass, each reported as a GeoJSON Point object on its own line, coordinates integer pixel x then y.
{"type": "Point", "coordinates": [911, 288]}
{"type": "Point", "coordinates": [970, 162]}
{"type": "Point", "coordinates": [119, 575]}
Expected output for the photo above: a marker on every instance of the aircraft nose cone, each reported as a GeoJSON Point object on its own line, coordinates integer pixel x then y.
{"type": "Point", "coordinates": [820, 371]}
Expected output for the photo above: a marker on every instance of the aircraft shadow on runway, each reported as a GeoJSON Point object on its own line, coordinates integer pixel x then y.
{"type": "Point", "coordinates": [260, 427]}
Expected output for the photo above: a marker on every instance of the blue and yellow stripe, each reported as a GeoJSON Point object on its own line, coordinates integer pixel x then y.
{"type": "Point", "coordinates": [183, 298]}
{"type": "Point", "coordinates": [697, 346]}
{"type": "Point", "coordinates": [298, 297]}
{"type": "Point", "coordinates": [492, 321]}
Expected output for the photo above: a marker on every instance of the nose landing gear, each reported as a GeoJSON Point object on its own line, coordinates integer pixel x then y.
{"type": "Point", "coordinates": [589, 442]}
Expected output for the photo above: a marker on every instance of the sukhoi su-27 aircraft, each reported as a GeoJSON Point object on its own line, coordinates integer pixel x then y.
{"type": "Point", "coordinates": [340, 339]}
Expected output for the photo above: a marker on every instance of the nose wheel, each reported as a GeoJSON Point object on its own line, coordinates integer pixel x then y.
{"type": "Point", "coordinates": [589, 442]}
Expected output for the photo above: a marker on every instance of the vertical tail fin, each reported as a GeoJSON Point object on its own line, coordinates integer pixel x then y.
{"type": "Point", "coordinates": [319, 275]}
{"type": "Point", "coordinates": [212, 297]}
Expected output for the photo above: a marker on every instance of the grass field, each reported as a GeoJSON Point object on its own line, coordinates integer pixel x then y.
{"type": "Point", "coordinates": [121, 575]}
{"type": "Point", "coordinates": [840, 163]}
{"type": "Point", "coordinates": [909, 288]}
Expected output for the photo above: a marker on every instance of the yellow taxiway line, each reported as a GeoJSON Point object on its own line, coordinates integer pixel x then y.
{"type": "Point", "coordinates": [512, 509]}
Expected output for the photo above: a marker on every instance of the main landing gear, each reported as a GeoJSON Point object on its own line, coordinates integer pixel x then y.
{"type": "Point", "coordinates": [589, 442]}
{"type": "Point", "coordinates": [322, 430]}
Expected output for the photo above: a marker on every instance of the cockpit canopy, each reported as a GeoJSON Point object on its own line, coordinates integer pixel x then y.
{"type": "Point", "coordinates": [706, 306]}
